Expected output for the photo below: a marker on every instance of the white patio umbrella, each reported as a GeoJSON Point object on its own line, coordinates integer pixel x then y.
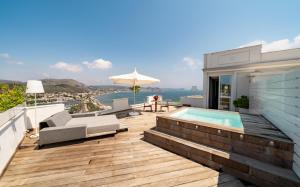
{"type": "Point", "coordinates": [133, 79]}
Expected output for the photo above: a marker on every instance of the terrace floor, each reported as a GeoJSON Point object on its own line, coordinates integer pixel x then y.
{"type": "Point", "coordinates": [122, 160]}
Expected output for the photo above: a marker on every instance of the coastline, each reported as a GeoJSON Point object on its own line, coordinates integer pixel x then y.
{"type": "Point", "coordinates": [167, 95]}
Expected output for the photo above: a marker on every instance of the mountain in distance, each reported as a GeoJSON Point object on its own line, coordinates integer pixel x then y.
{"type": "Point", "coordinates": [55, 85]}
{"type": "Point", "coordinates": [11, 82]}
{"type": "Point", "coordinates": [172, 89]}
{"type": "Point", "coordinates": [121, 88]}
{"type": "Point", "coordinates": [73, 86]}
{"type": "Point", "coordinates": [64, 85]}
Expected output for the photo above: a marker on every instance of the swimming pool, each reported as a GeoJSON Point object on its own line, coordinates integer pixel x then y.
{"type": "Point", "coordinates": [222, 118]}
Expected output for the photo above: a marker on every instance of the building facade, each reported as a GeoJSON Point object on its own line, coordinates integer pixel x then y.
{"type": "Point", "coordinates": [271, 80]}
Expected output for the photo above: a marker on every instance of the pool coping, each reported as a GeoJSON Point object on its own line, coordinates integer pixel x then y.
{"type": "Point", "coordinates": [206, 124]}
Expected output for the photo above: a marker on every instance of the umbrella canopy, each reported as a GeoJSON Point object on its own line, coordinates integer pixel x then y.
{"type": "Point", "coordinates": [133, 79]}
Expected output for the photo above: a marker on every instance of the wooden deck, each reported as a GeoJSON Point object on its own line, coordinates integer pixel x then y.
{"type": "Point", "coordinates": [259, 126]}
{"type": "Point", "coordinates": [122, 160]}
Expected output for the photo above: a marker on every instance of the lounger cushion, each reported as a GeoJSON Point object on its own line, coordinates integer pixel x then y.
{"type": "Point", "coordinates": [59, 119]}
{"type": "Point", "coordinates": [97, 124]}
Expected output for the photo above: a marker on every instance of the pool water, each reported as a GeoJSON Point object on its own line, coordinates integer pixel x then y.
{"type": "Point", "coordinates": [223, 118]}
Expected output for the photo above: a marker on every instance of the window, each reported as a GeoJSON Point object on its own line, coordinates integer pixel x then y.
{"type": "Point", "coordinates": [225, 92]}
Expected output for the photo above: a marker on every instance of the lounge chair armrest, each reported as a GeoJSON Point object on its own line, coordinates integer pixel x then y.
{"type": "Point", "coordinates": [60, 134]}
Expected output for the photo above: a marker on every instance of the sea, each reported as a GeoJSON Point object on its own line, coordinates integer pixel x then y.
{"type": "Point", "coordinates": [170, 95]}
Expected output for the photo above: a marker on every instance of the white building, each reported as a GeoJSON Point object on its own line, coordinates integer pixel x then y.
{"type": "Point", "coordinates": [271, 80]}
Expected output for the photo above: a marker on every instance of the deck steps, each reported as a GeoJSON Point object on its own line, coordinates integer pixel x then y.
{"type": "Point", "coordinates": [266, 148]}
{"type": "Point", "coordinates": [249, 169]}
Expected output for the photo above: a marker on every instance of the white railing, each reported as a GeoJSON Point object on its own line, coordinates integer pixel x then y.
{"type": "Point", "coordinates": [12, 131]}
{"type": "Point", "coordinates": [13, 125]}
{"type": "Point", "coordinates": [9, 114]}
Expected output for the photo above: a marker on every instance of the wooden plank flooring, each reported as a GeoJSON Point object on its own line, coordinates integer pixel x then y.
{"type": "Point", "coordinates": [122, 160]}
{"type": "Point", "coordinates": [259, 126]}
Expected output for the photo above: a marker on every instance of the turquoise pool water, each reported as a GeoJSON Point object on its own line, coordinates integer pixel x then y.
{"type": "Point", "coordinates": [223, 118]}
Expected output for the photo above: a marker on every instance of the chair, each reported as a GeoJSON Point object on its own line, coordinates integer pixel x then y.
{"type": "Point", "coordinates": [148, 105]}
{"type": "Point", "coordinates": [164, 105]}
{"type": "Point", "coordinates": [118, 105]}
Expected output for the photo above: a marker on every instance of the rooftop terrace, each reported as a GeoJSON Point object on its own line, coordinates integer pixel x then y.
{"type": "Point", "coordinates": [120, 160]}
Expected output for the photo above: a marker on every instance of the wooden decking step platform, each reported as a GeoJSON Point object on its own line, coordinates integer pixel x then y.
{"type": "Point", "coordinates": [249, 169]}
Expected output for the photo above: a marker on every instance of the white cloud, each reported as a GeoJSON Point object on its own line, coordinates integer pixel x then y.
{"type": "Point", "coordinates": [276, 45]}
{"type": "Point", "coordinates": [5, 57]}
{"type": "Point", "coordinates": [45, 75]}
{"type": "Point", "coordinates": [74, 68]}
{"type": "Point", "coordinates": [191, 62]}
{"type": "Point", "coordinates": [98, 64]}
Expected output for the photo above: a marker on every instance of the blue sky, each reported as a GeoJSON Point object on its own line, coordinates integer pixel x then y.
{"type": "Point", "coordinates": [91, 40]}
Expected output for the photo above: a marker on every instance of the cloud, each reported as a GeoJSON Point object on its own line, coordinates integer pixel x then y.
{"type": "Point", "coordinates": [74, 68]}
{"type": "Point", "coordinates": [276, 45]}
{"type": "Point", "coordinates": [98, 64]}
{"type": "Point", "coordinates": [45, 75]}
{"type": "Point", "coordinates": [191, 62]}
{"type": "Point", "coordinates": [5, 57]}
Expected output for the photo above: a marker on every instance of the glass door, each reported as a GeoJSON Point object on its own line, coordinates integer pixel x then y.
{"type": "Point", "coordinates": [225, 92]}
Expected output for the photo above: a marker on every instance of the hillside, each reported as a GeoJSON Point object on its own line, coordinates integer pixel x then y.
{"type": "Point", "coordinates": [63, 85]}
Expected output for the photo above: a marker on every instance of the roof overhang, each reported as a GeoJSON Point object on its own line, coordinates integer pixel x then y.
{"type": "Point", "coordinates": [281, 65]}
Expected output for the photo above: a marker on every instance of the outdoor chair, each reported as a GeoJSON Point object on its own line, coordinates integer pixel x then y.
{"type": "Point", "coordinates": [148, 105]}
{"type": "Point", "coordinates": [118, 105]}
{"type": "Point", "coordinates": [164, 104]}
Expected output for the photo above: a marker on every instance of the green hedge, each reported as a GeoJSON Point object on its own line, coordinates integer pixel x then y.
{"type": "Point", "coordinates": [11, 97]}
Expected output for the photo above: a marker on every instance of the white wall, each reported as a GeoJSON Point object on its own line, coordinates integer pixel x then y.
{"type": "Point", "coordinates": [242, 84]}
{"type": "Point", "coordinates": [42, 112]}
{"type": "Point", "coordinates": [194, 101]}
{"type": "Point", "coordinates": [277, 97]}
{"type": "Point", "coordinates": [281, 55]}
{"type": "Point", "coordinates": [240, 56]}
{"type": "Point", "coordinates": [13, 124]}
{"type": "Point", "coordinates": [11, 134]}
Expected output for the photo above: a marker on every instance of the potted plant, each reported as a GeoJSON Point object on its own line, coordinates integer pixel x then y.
{"type": "Point", "coordinates": [242, 104]}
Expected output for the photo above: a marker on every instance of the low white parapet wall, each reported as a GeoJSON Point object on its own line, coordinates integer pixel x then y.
{"type": "Point", "coordinates": [11, 134]}
{"type": "Point", "coordinates": [193, 101]}
{"type": "Point", "coordinates": [42, 112]}
{"type": "Point", "coordinates": [9, 114]}
{"type": "Point", "coordinates": [13, 125]}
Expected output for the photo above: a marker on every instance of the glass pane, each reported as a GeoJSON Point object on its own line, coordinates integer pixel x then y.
{"type": "Point", "coordinates": [225, 92]}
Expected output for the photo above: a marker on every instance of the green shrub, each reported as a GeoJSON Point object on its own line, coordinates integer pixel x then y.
{"type": "Point", "coordinates": [135, 88]}
{"type": "Point", "coordinates": [75, 109]}
{"type": "Point", "coordinates": [92, 107]}
{"type": "Point", "coordinates": [11, 97]}
{"type": "Point", "coordinates": [242, 102]}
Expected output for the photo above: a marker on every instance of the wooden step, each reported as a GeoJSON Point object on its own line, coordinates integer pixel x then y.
{"type": "Point", "coordinates": [266, 149]}
{"type": "Point", "coordinates": [254, 171]}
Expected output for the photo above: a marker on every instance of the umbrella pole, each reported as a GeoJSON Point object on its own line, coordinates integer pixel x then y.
{"type": "Point", "coordinates": [134, 113]}
{"type": "Point", "coordinates": [134, 93]}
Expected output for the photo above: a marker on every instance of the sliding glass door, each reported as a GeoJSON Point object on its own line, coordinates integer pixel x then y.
{"type": "Point", "coordinates": [225, 92]}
